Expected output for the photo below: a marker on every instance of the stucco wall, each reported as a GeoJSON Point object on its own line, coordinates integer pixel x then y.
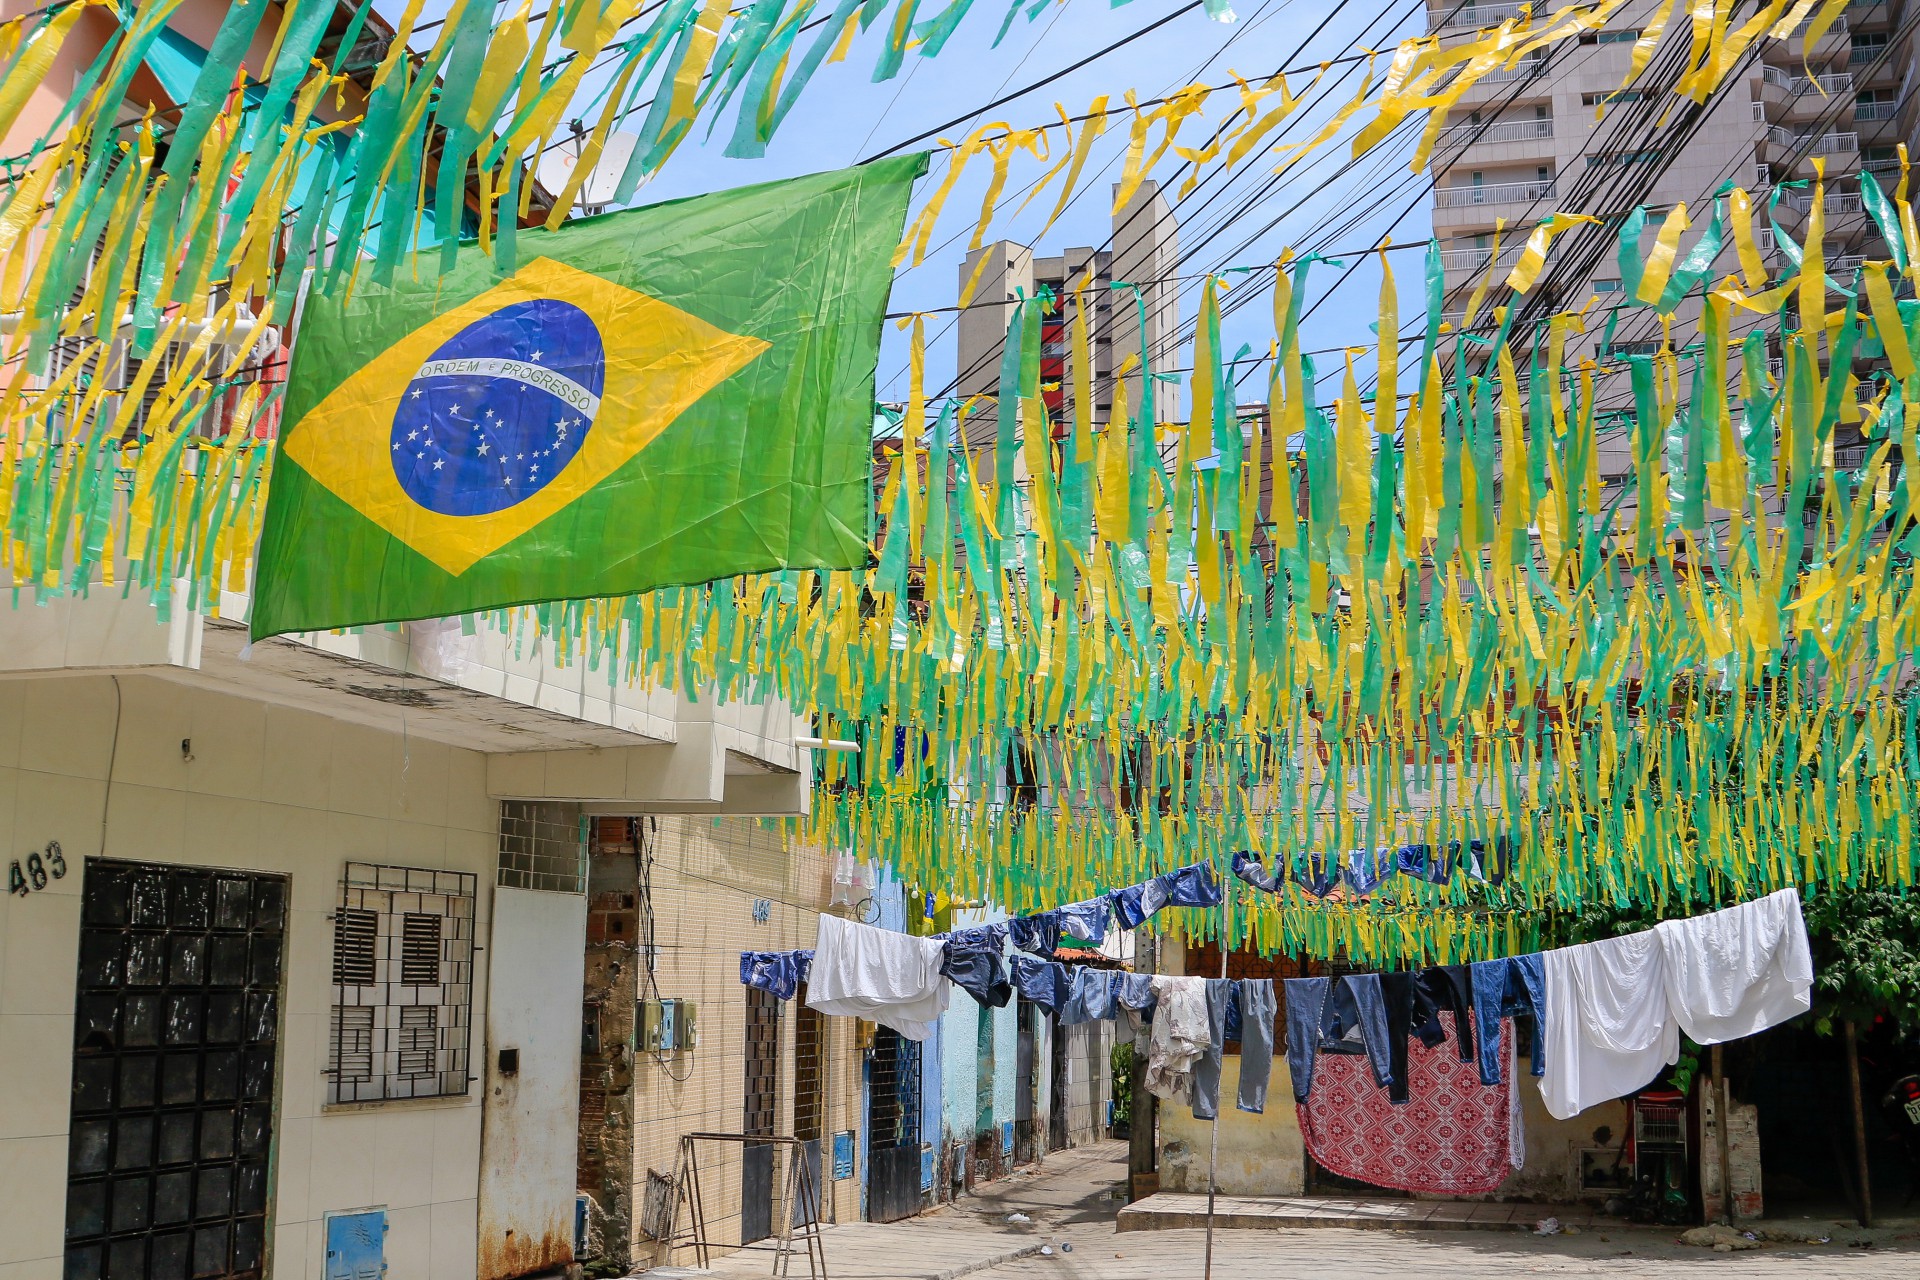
{"type": "Point", "coordinates": [705, 879]}
{"type": "Point", "coordinates": [261, 788]}
{"type": "Point", "coordinates": [1260, 1155]}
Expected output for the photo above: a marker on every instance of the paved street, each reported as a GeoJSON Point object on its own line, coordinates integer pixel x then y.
{"type": "Point", "coordinates": [1072, 1204]}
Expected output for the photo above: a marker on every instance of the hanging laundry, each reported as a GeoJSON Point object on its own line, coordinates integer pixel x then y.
{"type": "Point", "coordinates": [1134, 991]}
{"type": "Point", "coordinates": [1407, 1011]}
{"type": "Point", "coordinates": [780, 972]}
{"type": "Point", "coordinates": [1449, 989]}
{"type": "Point", "coordinates": [1043, 983]}
{"type": "Point", "coordinates": [1504, 989]}
{"type": "Point", "coordinates": [1085, 920]}
{"type": "Point", "coordinates": [1366, 870]}
{"type": "Point", "coordinates": [1355, 1022]}
{"type": "Point", "coordinates": [1190, 886]}
{"type": "Point", "coordinates": [1254, 872]}
{"type": "Point", "coordinates": [1735, 972]}
{"type": "Point", "coordinates": [1608, 1028]}
{"type": "Point", "coordinates": [1454, 1137]}
{"type": "Point", "coordinates": [1133, 996]}
{"type": "Point", "coordinates": [1221, 999]}
{"type": "Point", "coordinates": [1258, 1008]}
{"type": "Point", "coordinates": [1423, 862]}
{"type": "Point", "coordinates": [890, 978]}
{"type": "Point", "coordinates": [1039, 934]}
{"type": "Point", "coordinates": [973, 960]}
{"type": "Point", "coordinates": [1179, 1036]}
{"type": "Point", "coordinates": [1317, 874]}
{"type": "Point", "coordinates": [1089, 997]}
{"type": "Point", "coordinates": [1345, 1016]}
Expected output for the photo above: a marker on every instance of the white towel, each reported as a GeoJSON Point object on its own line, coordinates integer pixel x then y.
{"type": "Point", "coordinates": [1739, 971]}
{"type": "Point", "coordinates": [1609, 1030]}
{"type": "Point", "coordinates": [885, 977]}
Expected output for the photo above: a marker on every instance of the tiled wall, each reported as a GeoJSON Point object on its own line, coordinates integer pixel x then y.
{"type": "Point", "coordinates": [261, 788]}
{"type": "Point", "coordinates": [706, 882]}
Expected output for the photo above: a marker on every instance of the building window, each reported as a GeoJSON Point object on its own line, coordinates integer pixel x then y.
{"type": "Point", "coordinates": [1626, 36]}
{"type": "Point", "coordinates": [1617, 95]}
{"type": "Point", "coordinates": [542, 846]}
{"type": "Point", "coordinates": [1606, 285]}
{"type": "Point", "coordinates": [1867, 47]}
{"type": "Point", "coordinates": [1634, 348]}
{"type": "Point", "coordinates": [1598, 159]}
{"type": "Point", "coordinates": [402, 984]}
{"type": "Point", "coordinates": [1876, 104]}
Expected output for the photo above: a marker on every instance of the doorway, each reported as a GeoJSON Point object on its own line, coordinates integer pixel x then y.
{"type": "Point", "coordinates": [763, 1089]}
{"type": "Point", "coordinates": [809, 1101]}
{"type": "Point", "coordinates": [893, 1127]}
{"type": "Point", "coordinates": [1025, 1084]}
{"type": "Point", "coordinates": [1058, 1092]}
{"type": "Point", "coordinates": [176, 1039]}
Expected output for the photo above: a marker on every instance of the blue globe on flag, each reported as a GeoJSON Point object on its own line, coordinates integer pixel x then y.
{"type": "Point", "coordinates": [499, 409]}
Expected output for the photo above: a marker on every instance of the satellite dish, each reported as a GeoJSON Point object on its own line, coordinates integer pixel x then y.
{"type": "Point", "coordinates": [556, 167]}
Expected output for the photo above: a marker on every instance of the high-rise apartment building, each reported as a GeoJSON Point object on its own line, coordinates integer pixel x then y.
{"type": "Point", "coordinates": [1558, 131]}
{"type": "Point", "coordinates": [1142, 250]}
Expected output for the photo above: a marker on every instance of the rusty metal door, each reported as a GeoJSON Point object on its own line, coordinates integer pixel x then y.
{"type": "Point", "coordinates": [762, 1094]}
{"type": "Point", "coordinates": [809, 1100]}
{"type": "Point", "coordinates": [175, 1040]}
{"type": "Point", "coordinates": [532, 1078]}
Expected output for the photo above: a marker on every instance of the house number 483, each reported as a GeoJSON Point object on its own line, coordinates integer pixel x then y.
{"type": "Point", "coordinates": [40, 867]}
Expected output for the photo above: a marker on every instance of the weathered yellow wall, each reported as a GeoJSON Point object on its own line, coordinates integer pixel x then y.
{"type": "Point", "coordinates": [1260, 1155]}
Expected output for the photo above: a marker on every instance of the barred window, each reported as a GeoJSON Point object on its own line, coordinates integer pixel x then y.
{"type": "Point", "coordinates": [543, 845]}
{"type": "Point", "coordinates": [402, 984]}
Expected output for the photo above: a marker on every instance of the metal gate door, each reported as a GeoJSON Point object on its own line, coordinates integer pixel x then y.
{"type": "Point", "coordinates": [175, 1039]}
{"type": "Point", "coordinates": [763, 1088]}
{"type": "Point", "coordinates": [1024, 1082]}
{"type": "Point", "coordinates": [809, 1100]}
{"type": "Point", "coordinates": [893, 1127]}
{"type": "Point", "coordinates": [1059, 1094]}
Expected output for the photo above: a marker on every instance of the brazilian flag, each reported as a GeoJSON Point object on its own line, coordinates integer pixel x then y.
{"type": "Point", "coordinates": [667, 395]}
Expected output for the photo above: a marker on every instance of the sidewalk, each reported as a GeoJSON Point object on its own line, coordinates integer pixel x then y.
{"type": "Point", "coordinates": [1074, 1210]}
{"type": "Point", "coordinates": [1071, 1189]}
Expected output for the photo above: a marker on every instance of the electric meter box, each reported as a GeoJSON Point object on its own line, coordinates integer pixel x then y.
{"type": "Point", "coordinates": [668, 1026]}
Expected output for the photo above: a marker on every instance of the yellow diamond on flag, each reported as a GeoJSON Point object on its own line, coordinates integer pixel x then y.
{"type": "Point", "coordinates": [497, 414]}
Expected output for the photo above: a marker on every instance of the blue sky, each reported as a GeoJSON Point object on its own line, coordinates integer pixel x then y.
{"type": "Point", "coordinates": [843, 117]}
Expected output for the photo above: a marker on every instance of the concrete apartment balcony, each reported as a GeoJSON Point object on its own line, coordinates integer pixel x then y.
{"type": "Point", "coordinates": [1782, 148]}
{"type": "Point", "coordinates": [1462, 265]}
{"type": "Point", "coordinates": [1472, 17]}
{"type": "Point", "coordinates": [1461, 199]}
{"type": "Point", "coordinates": [1833, 45]}
{"type": "Point", "coordinates": [1524, 81]}
{"type": "Point", "coordinates": [1784, 97]}
{"type": "Point", "coordinates": [1493, 141]}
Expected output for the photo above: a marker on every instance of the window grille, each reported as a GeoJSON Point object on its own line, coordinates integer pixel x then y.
{"type": "Point", "coordinates": [402, 984]}
{"type": "Point", "coordinates": [542, 846]}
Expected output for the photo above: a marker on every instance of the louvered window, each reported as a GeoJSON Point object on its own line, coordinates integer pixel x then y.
{"type": "Point", "coordinates": [354, 931]}
{"type": "Point", "coordinates": [420, 950]}
{"type": "Point", "coordinates": [402, 984]}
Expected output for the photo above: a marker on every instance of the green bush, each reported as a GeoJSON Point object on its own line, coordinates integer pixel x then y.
{"type": "Point", "coordinates": [1122, 1060]}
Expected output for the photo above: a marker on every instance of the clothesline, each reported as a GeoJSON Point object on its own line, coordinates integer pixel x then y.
{"type": "Point", "coordinates": [971, 957]}
{"type": "Point", "coordinates": [1362, 871]}
{"type": "Point", "coordinates": [1606, 1016]}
